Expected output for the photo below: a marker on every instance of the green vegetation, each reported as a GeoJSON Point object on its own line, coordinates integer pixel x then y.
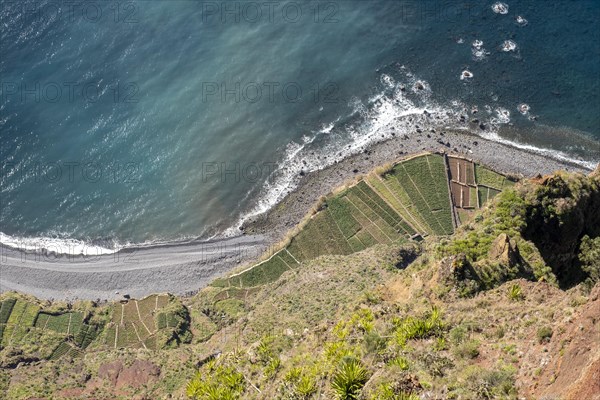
{"type": "Point", "coordinates": [68, 323]}
{"type": "Point", "coordinates": [544, 334]}
{"type": "Point", "coordinates": [418, 328]}
{"type": "Point", "coordinates": [151, 323]}
{"type": "Point", "coordinates": [425, 181]}
{"type": "Point", "coordinates": [218, 382]}
{"type": "Point", "coordinates": [345, 323]}
{"type": "Point", "coordinates": [349, 378]}
{"type": "Point", "coordinates": [410, 200]}
{"type": "Point", "coordinates": [491, 179]}
{"type": "Point", "coordinates": [489, 384]}
{"type": "Point", "coordinates": [515, 293]}
{"type": "Point", "coordinates": [589, 257]}
{"type": "Point", "coordinates": [21, 316]}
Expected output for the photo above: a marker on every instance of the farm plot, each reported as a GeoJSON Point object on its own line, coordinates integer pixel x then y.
{"type": "Point", "coordinates": [416, 198]}
{"type": "Point", "coordinates": [86, 335]}
{"type": "Point", "coordinates": [265, 272]}
{"type": "Point", "coordinates": [463, 196]}
{"type": "Point", "coordinates": [458, 195]}
{"type": "Point", "coordinates": [53, 334]}
{"type": "Point", "coordinates": [350, 221]}
{"type": "Point", "coordinates": [19, 322]}
{"type": "Point", "coordinates": [491, 179]}
{"type": "Point", "coordinates": [486, 193]}
{"type": "Point", "coordinates": [340, 210]}
{"type": "Point", "coordinates": [461, 170]}
{"type": "Point", "coordinates": [67, 323]}
{"type": "Point", "coordinates": [409, 208]}
{"type": "Point", "coordinates": [374, 228]}
{"type": "Point", "coordinates": [321, 235]}
{"type": "Point", "coordinates": [473, 197]}
{"type": "Point", "coordinates": [5, 309]}
{"type": "Point", "coordinates": [134, 323]}
{"type": "Point", "coordinates": [425, 181]}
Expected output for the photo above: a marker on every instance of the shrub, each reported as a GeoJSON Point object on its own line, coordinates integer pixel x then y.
{"type": "Point", "coordinates": [385, 391]}
{"type": "Point", "coordinates": [440, 344]}
{"type": "Point", "coordinates": [589, 257]}
{"type": "Point", "coordinates": [515, 293]}
{"type": "Point", "coordinates": [374, 343]}
{"type": "Point", "coordinates": [400, 362]}
{"type": "Point", "coordinates": [544, 334]}
{"type": "Point", "coordinates": [418, 328]}
{"type": "Point", "coordinates": [299, 383]}
{"type": "Point", "coordinates": [458, 334]}
{"type": "Point", "coordinates": [216, 382]}
{"type": "Point", "coordinates": [490, 384]}
{"type": "Point", "coordinates": [349, 379]}
{"type": "Point", "coordinates": [468, 349]}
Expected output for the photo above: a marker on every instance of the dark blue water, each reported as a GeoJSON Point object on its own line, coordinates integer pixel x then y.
{"type": "Point", "coordinates": [132, 122]}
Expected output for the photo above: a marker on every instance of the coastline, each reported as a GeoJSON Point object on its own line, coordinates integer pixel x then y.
{"type": "Point", "coordinates": [182, 269]}
{"type": "Point", "coordinates": [501, 157]}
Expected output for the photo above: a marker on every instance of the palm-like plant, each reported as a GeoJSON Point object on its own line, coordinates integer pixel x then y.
{"type": "Point", "coordinates": [515, 293]}
{"type": "Point", "coordinates": [217, 383]}
{"type": "Point", "coordinates": [349, 378]}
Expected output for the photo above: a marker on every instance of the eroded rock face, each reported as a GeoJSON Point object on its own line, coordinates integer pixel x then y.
{"type": "Point", "coordinates": [457, 272]}
{"type": "Point", "coordinates": [505, 251]}
{"type": "Point", "coordinates": [574, 372]}
{"type": "Point", "coordinates": [561, 210]}
{"type": "Point", "coordinates": [140, 373]}
{"type": "Point", "coordinates": [110, 371]}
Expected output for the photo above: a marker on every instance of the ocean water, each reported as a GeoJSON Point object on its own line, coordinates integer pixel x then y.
{"type": "Point", "coordinates": [132, 122]}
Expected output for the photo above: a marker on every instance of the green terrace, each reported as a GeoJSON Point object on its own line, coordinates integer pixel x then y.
{"type": "Point", "coordinates": [151, 323]}
{"type": "Point", "coordinates": [55, 333]}
{"type": "Point", "coordinates": [421, 196]}
{"type": "Point", "coordinates": [147, 323]}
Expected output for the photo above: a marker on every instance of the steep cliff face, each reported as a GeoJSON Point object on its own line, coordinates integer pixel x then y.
{"type": "Point", "coordinates": [561, 210]}
{"type": "Point", "coordinates": [534, 231]}
{"type": "Point", "coordinates": [573, 371]}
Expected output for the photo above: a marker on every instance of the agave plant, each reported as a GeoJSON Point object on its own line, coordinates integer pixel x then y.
{"type": "Point", "coordinates": [349, 378]}
{"type": "Point", "coordinates": [217, 383]}
{"type": "Point", "coordinates": [515, 293]}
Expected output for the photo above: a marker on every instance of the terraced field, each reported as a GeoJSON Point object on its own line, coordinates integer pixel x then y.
{"type": "Point", "coordinates": [491, 179]}
{"type": "Point", "coordinates": [425, 181]}
{"type": "Point", "coordinates": [136, 323]}
{"type": "Point", "coordinates": [68, 323]}
{"type": "Point", "coordinates": [57, 333]}
{"type": "Point", "coordinates": [17, 318]}
{"type": "Point", "coordinates": [428, 194]}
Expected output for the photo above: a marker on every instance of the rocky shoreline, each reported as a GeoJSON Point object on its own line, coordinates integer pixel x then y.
{"type": "Point", "coordinates": [500, 157]}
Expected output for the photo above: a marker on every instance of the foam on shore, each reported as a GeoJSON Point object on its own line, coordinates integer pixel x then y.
{"type": "Point", "coordinates": [398, 110]}
{"type": "Point", "coordinates": [56, 245]}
